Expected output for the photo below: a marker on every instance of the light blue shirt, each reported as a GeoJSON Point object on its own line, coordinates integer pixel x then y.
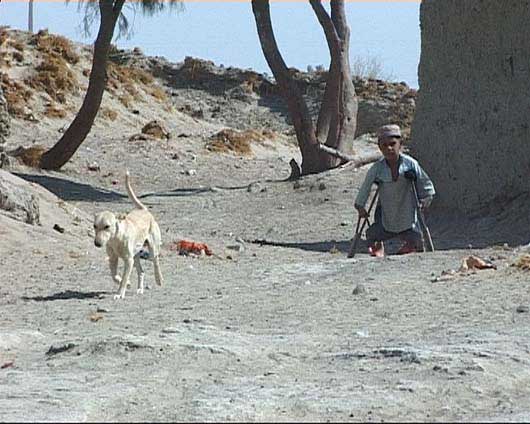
{"type": "Point", "coordinates": [396, 198]}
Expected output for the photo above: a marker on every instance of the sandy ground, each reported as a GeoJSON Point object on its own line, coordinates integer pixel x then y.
{"type": "Point", "coordinates": [279, 325]}
{"type": "Point", "coordinates": [288, 330]}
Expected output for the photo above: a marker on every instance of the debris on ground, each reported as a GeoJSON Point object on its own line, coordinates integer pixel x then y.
{"type": "Point", "coordinates": [7, 364]}
{"type": "Point", "coordinates": [523, 262]}
{"type": "Point", "coordinates": [469, 263]}
{"type": "Point", "coordinates": [187, 247]}
{"type": "Point", "coordinates": [472, 262]}
{"type": "Point", "coordinates": [95, 317]}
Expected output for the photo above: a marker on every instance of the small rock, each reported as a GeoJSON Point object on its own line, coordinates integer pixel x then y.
{"type": "Point", "coordinates": [334, 250]}
{"type": "Point", "coordinates": [522, 309]}
{"type": "Point", "coordinates": [7, 364]}
{"type": "Point", "coordinates": [5, 160]}
{"type": "Point", "coordinates": [57, 227]}
{"type": "Point", "coordinates": [172, 330]}
{"type": "Point", "coordinates": [191, 172]}
{"type": "Point", "coordinates": [94, 166]}
{"type": "Point", "coordinates": [359, 289]}
{"type": "Point", "coordinates": [53, 350]}
{"type": "Point", "coordinates": [236, 247]}
{"type": "Point", "coordinates": [95, 317]}
{"type": "Point", "coordinates": [156, 129]}
{"type": "Point", "coordinates": [254, 188]}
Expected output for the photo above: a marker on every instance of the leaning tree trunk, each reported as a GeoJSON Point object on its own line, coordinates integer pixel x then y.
{"type": "Point", "coordinates": [78, 130]}
{"type": "Point", "coordinates": [337, 117]}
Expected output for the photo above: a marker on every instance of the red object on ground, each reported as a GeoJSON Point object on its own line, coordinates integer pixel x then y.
{"type": "Point", "coordinates": [185, 247]}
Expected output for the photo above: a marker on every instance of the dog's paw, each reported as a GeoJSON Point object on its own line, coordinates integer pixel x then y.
{"type": "Point", "coordinates": [140, 291]}
{"type": "Point", "coordinates": [117, 279]}
{"type": "Point", "coordinates": [118, 296]}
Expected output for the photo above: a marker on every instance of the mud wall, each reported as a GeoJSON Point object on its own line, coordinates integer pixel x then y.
{"type": "Point", "coordinates": [471, 130]}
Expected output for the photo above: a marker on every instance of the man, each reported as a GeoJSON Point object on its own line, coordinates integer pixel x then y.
{"type": "Point", "coordinates": [395, 213]}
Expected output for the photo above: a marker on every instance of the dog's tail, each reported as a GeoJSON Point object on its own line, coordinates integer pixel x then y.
{"type": "Point", "coordinates": [131, 194]}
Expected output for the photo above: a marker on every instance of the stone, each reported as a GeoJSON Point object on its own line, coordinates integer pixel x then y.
{"type": "Point", "coordinates": [5, 119]}
{"type": "Point", "coordinates": [359, 289]}
{"type": "Point", "coordinates": [254, 188]}
{"type": "Point", "coordinates": [19, 203]}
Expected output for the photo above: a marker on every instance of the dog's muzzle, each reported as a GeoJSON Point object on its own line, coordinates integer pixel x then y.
{"type": "Point", "coordinates": [98, 243]}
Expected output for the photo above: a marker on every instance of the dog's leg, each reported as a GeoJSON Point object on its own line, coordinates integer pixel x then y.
{"type": "Point", "coordinates": [127, 269]}
{"type": "Point", "coordinates": [154, 241]}
{"type": "Point", "coordinates": [140, 272]}
{"type": "Point", "coordinates": [113, 265]}
{"type": "Point", "coordinates": [158, 274]}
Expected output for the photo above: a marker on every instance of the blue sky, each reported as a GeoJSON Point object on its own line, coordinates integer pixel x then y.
{"type": "Point", "coordinates": [225, 32]}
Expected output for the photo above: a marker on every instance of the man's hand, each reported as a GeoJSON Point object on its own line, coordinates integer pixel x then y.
{"type": "Point", "coordinates": [362, 211]}
{"type": "Point", "coordinates": [425, 202]}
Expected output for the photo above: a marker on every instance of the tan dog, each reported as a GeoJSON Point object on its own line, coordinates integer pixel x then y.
{"type": "Point", "coordinates": [125, 238]}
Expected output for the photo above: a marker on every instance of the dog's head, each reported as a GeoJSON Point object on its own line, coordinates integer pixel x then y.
{"type": "Point", "coordinates": [105, 226]}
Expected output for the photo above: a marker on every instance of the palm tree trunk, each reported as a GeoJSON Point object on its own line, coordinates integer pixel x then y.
{"type": "Point", "coordinates": [78, 130]}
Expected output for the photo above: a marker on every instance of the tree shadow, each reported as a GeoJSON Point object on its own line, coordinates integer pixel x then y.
{"type": "Point", "coordinates": [462, 241]}
{"type": "Point", "coordinates": [69, 190]}
{"type": "Point", "coordinates": [201, 190]}
{"type": "Point", "coordinates": [327, 246]}
{"type": "Point", "coordinates": [72, 191]}
{"type": "Point", "coordinates": [67, 295]}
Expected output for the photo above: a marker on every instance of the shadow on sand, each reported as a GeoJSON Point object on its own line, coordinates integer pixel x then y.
{"type": "Point", "coordinates": [67, 295]}
{"type": "Point", "coordinates": [73, 191]}
{"type": "Point", "coordinates": [69, 190]}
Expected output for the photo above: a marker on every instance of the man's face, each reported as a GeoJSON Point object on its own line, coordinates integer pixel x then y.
{"type": "Point", "coordinates": [390, 147]}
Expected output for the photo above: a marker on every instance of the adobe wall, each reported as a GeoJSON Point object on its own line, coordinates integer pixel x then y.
{"type": "Point", "coordinates": [471, 130]}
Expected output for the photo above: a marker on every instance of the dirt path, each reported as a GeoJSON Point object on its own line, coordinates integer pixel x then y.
{"type": "Point", "coordinates": [284, 332]}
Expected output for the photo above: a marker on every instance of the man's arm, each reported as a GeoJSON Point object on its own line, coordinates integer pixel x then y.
{"type": "Point", "coordinates": [424, 186]}
{"type": "Point", "coordinates": [364, 191]}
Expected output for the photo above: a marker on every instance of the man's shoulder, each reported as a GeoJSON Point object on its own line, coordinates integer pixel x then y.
{"type": "Point", "coordinates": [407, 159]}
{"type": "Point", "coordinates": [379, 162]}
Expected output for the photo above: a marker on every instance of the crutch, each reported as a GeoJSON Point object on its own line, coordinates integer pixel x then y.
{"type": "Point", "coordinates": [411, 175]}
{"type": "Point", "coordinates": [359, 231]}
